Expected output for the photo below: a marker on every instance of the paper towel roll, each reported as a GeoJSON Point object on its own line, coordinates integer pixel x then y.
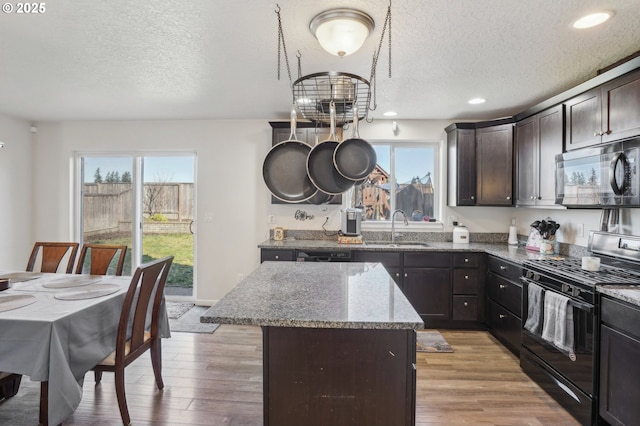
{"type": "Point", "coordinates": [513, 235]}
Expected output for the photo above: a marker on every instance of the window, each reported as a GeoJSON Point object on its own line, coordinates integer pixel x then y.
{"type": "Point", "coordinates": [405, 178]}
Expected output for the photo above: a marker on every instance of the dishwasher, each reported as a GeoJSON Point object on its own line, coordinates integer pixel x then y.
{"type": "Point", "coordinates": [323, 256]}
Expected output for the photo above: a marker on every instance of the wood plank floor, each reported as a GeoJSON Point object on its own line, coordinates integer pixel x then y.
{"type": "Point", "coordinates": [216, 379]}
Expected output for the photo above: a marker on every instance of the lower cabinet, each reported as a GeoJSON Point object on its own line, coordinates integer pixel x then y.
{"type": "Point", "coordinates": [619, 366]}
{"type": "Point", "coordinates": [429, 291]}
{"type": "Point", "coordinates": [392, 261]}
{"type": "Point", "coordinates": [504, 302]}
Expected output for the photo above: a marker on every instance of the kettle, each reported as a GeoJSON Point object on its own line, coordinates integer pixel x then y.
{"type": "Point", "coordinates": [460, 234]}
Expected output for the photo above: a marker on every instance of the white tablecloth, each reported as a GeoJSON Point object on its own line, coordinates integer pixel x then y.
{"type": "Point", "coordinates": [60, 340]}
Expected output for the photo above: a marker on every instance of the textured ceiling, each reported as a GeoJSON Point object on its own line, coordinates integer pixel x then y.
{"type": "Point", "coordinates": [203, 59]}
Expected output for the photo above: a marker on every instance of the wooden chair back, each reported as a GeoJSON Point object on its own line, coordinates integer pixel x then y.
{"type": "Point", "coordinates": [100, 258]}
{"type": "Point", "coordinates": [52, 255]}
{"type": "Point", "coordinates": [145, 292]}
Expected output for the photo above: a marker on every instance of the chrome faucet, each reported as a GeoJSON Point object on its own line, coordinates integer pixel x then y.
{"type": "Point", "coordinates": [393, 224]}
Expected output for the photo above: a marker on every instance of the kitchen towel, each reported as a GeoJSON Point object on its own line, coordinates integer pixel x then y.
{"type": "Point", "coordinates": [557, 326]}
{"type": "Point", "coordinates": [535, 308]}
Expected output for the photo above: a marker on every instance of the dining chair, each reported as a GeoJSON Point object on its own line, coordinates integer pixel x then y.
{"type": "Point", "coordinates": [100, 257]}
{"type": "Point", "coordinates": [52, 255]}
{"type": "Point", "coordinates": [135, 333]}
{"type": "Point", "coordinates": [9, 384]}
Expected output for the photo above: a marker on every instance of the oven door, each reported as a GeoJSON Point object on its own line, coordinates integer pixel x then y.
{"type": "Point", "coordinates": [579, 370]}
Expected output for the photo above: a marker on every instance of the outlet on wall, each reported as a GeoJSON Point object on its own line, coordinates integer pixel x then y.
{"type": "Point", "coordinates": [451, 219]}
{"type": "Point", "coordinates": [271, 219]}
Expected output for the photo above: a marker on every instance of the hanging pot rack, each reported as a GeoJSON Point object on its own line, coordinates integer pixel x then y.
{"type": "Point", "coordinates": [313, 93]}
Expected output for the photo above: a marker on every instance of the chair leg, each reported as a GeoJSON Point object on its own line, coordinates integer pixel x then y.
{"type": "Point", "coordinates": [122, 398]}
{"type": "Point", "coordinates": [97, 375]}
{"type": "Point", "coordinates": [156, 362]}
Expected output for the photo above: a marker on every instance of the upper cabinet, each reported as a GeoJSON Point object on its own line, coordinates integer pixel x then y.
{"type": "Point", "coordinates": [480, 164]}
{"type": "Point", "coordinates": [538, 139]}
{"type": "Point", "coordinates": [461, 149]}
{"type": "Point", "coordinates": [606, 113]}
{"type": "Point", "coordinates": [494, 162]}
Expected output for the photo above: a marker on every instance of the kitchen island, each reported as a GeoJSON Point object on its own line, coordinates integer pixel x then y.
{"type": "Point", "coordinates": [338, 342]}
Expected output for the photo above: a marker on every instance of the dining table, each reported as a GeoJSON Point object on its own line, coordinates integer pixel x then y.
{"type": "Point", "coordinates": [54, 328]}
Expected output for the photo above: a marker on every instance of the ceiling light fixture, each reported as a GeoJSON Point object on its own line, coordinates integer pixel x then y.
{"type": "Point", "coordinates": [477, 101]}
{"type": "Point", "coordinates": [390, 114]}
{"type": "Point", "coordinates": [341, 32]}
{"type": "Point", "coordinates": [592, 20]}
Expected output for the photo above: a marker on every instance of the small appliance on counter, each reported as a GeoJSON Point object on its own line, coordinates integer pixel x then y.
{"type": "Point", "coordinates": [460, 233]}
{"type": "Point", "coordinates": [351, 221]}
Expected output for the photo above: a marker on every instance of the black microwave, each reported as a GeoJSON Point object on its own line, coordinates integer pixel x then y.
{"type": "Point", "coordinates": [599, 176]}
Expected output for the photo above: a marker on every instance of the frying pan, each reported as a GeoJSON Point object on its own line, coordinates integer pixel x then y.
{"type": "Point", "coordinates": [320, 167]}
{"type": "Point", "coordinates": [355, 158]}
{"type": "Point", "coordinates": [285, 169]}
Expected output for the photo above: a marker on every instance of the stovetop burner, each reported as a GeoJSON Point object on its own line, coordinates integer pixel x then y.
{"type": "Point", "coordinates": [571, 270]}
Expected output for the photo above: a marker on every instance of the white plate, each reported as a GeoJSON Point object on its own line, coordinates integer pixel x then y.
{"type": "Point", "coordinates": [15, 277]}
{"type": "Point", "coordinates": [94, 291]}
{"type": "Point", "coordinates": [69, 282]}
{"type": "Point", "coordinates": [15, 301]}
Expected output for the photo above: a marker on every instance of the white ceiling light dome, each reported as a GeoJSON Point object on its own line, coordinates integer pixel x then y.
{"type": "Point", "coordinates": [341, 32]}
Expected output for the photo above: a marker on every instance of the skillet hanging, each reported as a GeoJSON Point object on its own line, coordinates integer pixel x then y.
{"type": "Point", "coordinates": [285, 169]}
{"type": "Point", "coordinates": [355, 158]}
{"type": "Point", "coordinates": [320, 167]}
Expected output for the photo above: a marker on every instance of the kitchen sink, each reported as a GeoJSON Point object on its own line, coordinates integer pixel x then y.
{"type": "Point", "coordinates": [388, 244]}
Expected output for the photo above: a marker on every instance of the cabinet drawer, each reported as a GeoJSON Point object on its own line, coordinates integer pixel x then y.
{"type": "Point", "coordinates": [465, 281]}
{"type": "Point", "coordinates": [506, 293]}
{"type": "Point", "coordinates": [467, 260]}
{"type": "Point", "coordinates": [427, 260]}
{"type": "Point", "coordinates": [465, 308]}
{"type": "Point", "coordinates": [620, 316]}
{"type": "Point", "coordinates": [505, 268]}
{"type": "Point", "coordinates": [275, 254]}
{"type": "Point", "coordinates": [505, 326]}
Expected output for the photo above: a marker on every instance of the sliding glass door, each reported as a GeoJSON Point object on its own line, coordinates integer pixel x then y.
{"type": "Point", "coordinates": [146, 202]}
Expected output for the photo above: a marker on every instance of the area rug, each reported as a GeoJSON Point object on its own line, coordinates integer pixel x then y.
{"type": "Point", "coordinates": [175, 309]}
{"type": "Point", "coordinates": [431, 341]}
{"type": "Point", "coordinates": [189, 322]}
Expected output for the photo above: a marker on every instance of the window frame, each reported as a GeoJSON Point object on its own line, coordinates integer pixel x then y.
{"type": "Point", "coordinates": [437, 179]}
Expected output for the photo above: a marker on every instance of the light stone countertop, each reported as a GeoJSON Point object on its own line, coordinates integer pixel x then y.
{"type": "Point", "coordinates": [627, 293]}
{"type": "Point", "coordinates": [319, 295]}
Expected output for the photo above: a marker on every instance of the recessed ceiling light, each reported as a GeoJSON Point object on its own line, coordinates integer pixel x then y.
{"type": "Point", "coordinates": [592, 20]}
{"type": "Point", "coordinates": [390, 114]}
{"type": "Point", "coordinates": [476, 101]}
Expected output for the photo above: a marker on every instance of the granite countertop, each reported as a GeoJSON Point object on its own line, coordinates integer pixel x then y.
{"type": "Point", "coordinates": [318, 295]}
{"type": "Point", "coordinates": [627, 293]}
{"type": "Point", "coordinates": [517, 254]}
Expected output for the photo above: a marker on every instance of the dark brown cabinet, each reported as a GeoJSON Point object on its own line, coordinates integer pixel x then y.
{"type": "Point", "coordinates": [619, 367]}
{"type": "Point", "coordinates": [461, 151]}
{"type": "Point", "coordinates": [468, 287]}
{"type": "Point", "coordinates": [538, 139]}
{"type": "Point", "coordinates": [504, 302]}
{"type": "Point", "coordinates": [480, 163]}
{"type": "Point", "coordinates": [427, 285]}
{"type": "Point", "coordinates": [494, 162]}
{"type": "Point", "coordinates": [606, 113]}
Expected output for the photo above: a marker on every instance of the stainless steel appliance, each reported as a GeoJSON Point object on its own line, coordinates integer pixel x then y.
{"type": "Point", "coordinates": [351, 221]}
{"type": "Point", "coordinates": [571, 377]}
{"type": "Point", "coordinates": [601, 176]}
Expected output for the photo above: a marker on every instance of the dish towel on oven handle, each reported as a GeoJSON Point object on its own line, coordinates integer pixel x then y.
{"type": "Point", "coordinates": [535, 295]}
{"type": "Point", "coordinates": [557, 326]}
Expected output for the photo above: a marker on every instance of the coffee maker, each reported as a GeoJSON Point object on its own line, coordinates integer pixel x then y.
{"type": "Point", "coordinates": [351, 219]}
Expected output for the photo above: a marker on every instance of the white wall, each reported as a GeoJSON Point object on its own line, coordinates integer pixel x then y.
{"type": "Point", "coordinates": [16, 201]}
{"type": "Point", "coordinates": [229, 185]}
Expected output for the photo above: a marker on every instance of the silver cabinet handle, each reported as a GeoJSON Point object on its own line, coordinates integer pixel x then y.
{"type": "Point", "coordinates": [473, 198]}
{"type": "Point", "coordinates": [277, 257]}
{"type": "Point", "coordinates": [503, 286]}
{"type": "Point", "coordinates": [508, 198]}
{"type": "Point", "coordinates": [466, 260]}
{"type": "Point", "coordinates": [405, 275]}
{"type": "Point", "coordinates": [533, 197]}
{"type": "Point", "coordinates": [466, 277]}
{"type": "Point", "coordinates": [466, 303]}
{"type": "Point", "coordinates": [502, 316]}
{"type": "Point", "coordinates": [397, 274]}
{"type": "Point", "coordinates": [503, 268]}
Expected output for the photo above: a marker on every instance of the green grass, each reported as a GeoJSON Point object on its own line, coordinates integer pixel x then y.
{"type": "Point", "coordinates": [157, 246]}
